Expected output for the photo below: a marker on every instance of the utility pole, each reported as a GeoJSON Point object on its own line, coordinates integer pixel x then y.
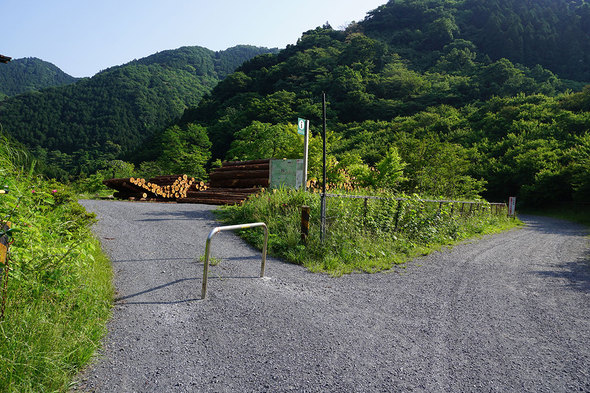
{"type": "Point", "coordinates": [323, 201]}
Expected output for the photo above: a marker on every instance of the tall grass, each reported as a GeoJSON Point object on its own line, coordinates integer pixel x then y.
{"type": "Point", "coordinates": [364, 238]}
{"type": "Point", "coordinates": [59, 287]}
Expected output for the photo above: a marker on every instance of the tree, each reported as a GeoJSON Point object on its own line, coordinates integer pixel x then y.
{"type": "Point", "coordinates": [390, 170]}
{"type": "Point", "coordinates": [265, 140]}
{"type": "Point", "coordinates": [185, 150]}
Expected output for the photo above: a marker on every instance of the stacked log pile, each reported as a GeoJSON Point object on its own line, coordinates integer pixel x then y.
{"type": "Point", "coordinates": [232, 183]}
{"type": "Point", "coordinates": [160, 188]}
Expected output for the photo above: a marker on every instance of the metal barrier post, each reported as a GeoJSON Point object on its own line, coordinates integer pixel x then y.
{"type": "Point", "coordinates": [231, 228]}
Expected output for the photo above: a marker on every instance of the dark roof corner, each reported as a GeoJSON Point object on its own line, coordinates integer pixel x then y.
{"type": "Point", "coordinates": [5, 59]}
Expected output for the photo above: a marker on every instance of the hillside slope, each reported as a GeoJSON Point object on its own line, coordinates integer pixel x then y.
{"type": "Point", "coordinates": [30, 74]}
{"type": "Point", "coordinates": [552, 33]}
{"type": "Point", "coordinates": [422, 78]}
{"type": "Point", "coordinates": [112, 113]}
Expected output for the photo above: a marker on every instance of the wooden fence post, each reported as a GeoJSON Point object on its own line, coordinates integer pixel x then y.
{"type": "Point", "coordinates": [4, 266]}
{"type": "Point", "coordinates": [305, 213]}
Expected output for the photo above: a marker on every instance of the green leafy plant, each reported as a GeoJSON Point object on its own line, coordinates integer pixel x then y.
{"type": "Point", "coordinates": [369, 237]}
{"type": "Point", "coordinates": [58, 288]}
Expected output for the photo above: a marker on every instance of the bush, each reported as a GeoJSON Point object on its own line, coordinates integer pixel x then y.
{"type": "Point", "coordinates": [367, 237]}
{"type": "Point", "coordinates": [58, 289]}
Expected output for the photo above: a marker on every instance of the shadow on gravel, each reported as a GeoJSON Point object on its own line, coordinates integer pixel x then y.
{"type": "Point", "coordinates": [577, 273]}
{"type": "Point", "coordinates": [554, 226]}
{"type": "Point", "coordinates": [180, 215]}
{"type": "Point", "coordinates": [172, 302]}
{"type": "Point", "coordinates": [160, 260]}
{"type": "Point", "coordinates": [123, 298]}
{"type": "Point", "coordinates": [250, 258]}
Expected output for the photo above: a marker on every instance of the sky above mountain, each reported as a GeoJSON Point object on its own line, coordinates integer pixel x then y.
{"type": "Point", "coordinates": [84, 37]}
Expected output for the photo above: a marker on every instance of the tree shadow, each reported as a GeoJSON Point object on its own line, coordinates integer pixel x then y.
{"type": "Point", "coordinates": [159, 260]}
{"type": "Point", "coordinates": [577, 273]}
{"type": "Point", "coordinates": [189, 215]}
{"type": "Point", "coordinates": [554, 226]}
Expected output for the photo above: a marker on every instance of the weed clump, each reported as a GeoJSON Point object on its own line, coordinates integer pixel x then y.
{"type": "Point", "coordinates": [57, 283]}
{"type": "Point", "coordinates": [362, 235]}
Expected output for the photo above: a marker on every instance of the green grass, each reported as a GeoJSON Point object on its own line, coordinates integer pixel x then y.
{"type": "Point", "coordinates": [45, 339]}
{"type": "Point", "coordinates": [359, 239]}
{"type": "Point", "coordinates": [59, 288]}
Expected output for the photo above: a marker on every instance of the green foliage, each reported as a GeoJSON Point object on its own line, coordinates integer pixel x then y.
{"type": "Point", "coordinates": [76, 129]}
{"type": "Point", "coordinates": [264, 140]}
{"type": "Point", "coordinates": [59, 286]}
{"type": "Point", "coordinates": [390, 170]}
{"type": "Point", "coordinates": [546, 32]}
{"type": "Point", "coordinates": [532, 147]}
{"type": "Point", "coordinates": [30, 74]}
{"type": "Point", "coordinates": [469, 93]}
{"type": "Point", "coordinates": [369, 238]}
{"type": "Point", "coordinates": [184, 150]}
{"type": "Point", "coordinates": [406, 57]}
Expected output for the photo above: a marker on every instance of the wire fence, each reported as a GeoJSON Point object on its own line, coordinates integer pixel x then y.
{"type": "Point", "coordinates": [411, 217]}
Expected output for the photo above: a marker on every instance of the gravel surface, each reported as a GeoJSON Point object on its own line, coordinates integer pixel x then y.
{"type": "Point", "coordinates": [505, 313]}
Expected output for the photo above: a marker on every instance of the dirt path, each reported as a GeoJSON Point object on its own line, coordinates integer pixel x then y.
{"type": "Point", "coordinates": [506, 313]}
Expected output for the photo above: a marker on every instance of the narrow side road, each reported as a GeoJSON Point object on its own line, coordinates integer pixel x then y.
{"type": "Point", "coordinates": [505, 313]}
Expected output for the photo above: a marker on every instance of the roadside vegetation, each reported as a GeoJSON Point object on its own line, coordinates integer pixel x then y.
{"type": "Point", "coordinates": [384, 234]}
{"type": "Point", "coordinates": [57, 292]}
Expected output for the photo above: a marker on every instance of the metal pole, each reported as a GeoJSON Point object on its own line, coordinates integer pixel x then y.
{"type": "Point", "coordinates": [305, 154]}
{"type": "Point", "coordinates": [231, 228]}
{"type": "Point", "coordinates": [323, 207]}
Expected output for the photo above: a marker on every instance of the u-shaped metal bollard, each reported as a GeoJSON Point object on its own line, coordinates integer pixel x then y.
{"type": "Point", "coordinates": [231, 228]}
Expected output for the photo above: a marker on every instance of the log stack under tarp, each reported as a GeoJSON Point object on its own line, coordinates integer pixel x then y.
{"type": "Point", "coordinates": [232, 183]}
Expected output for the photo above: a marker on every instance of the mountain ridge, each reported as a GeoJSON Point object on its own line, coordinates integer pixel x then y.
{"type": "Point", "coordinates": [79, 126]}
{"type": "Point", "coordinates": [31, 74]}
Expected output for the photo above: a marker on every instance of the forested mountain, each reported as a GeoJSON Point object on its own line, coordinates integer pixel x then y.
{"type": "Point", "coordinates": [78, 126]}
{"type": "Point", "coordinates": [455, 88]}
{"type": "Point", "coordinates": [552, 33]}
{"type": "Point", "coordinates": [30, 74]}
{"type": "Point", "coordinates": [451, 98]}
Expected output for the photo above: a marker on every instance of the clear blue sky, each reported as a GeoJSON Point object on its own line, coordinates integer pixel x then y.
{"type": "Point", "coordinates": [83, 37]}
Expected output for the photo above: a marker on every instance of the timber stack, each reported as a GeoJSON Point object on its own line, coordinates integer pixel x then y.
{"type": "Point", "coordinates": [232, 183]}
{"type": "Point", "coordinates": [160, 188]}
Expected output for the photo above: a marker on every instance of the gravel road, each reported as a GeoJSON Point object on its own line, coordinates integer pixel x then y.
{"type": "Point", "coordinates": [505, 313]}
